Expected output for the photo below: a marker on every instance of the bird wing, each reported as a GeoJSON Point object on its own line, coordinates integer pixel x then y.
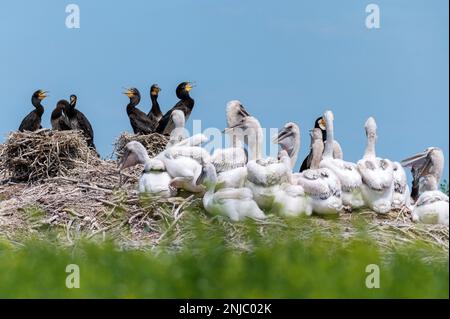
{"type": "Point", "coordinates": [165, 125]}
{"type": "Point", "coordinates": [226, 159]}
{"type": "Point", "coordinates": [140, 122]}
{"type": "Point", "coordinates": [232, 193]}
{"type": "Point", "coordinates": [199, 154]}
{"type": "Point", "coordinates": [31, 122]}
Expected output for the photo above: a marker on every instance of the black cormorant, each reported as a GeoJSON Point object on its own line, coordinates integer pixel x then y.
{"type": "Point", "coordinates": [186, 104]}
{"type": "Point", "coordinates": [59, 119]}
{"type": "Point", "coordinates": [139, 121]}
{"type": "Point", "coordinates": [78, 121]}
{"type": "Point", "coordinates": [319, 123]}
{"type": "Point", "coordinates": [32, 122]}
{"type": "Point", "coordinates": [155, 113]}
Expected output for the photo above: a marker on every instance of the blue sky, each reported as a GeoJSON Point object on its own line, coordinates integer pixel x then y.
{"type": "Point", "coordinates": [285, 60]}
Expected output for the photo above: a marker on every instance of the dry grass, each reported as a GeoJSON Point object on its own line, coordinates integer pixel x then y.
{"type": "Point", "coordinates": [154, 143]}
{"type": "Point", "coordinates": [82, 198]}
{"type": "Point", "coordinates": [33, 156]}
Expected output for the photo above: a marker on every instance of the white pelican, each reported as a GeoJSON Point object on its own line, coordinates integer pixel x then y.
{"type": "Point", "coordinates": [321, 185]}
{"type": "Point", "coordinates": [235, 112]}
{"type": "Point", "coordinates": [401, 196]}
{"type": "Point", "coordinates": [346, 172]}
{"type": "Point", "coordinates": [154, 179]}
{"type": "Point", "coordinates": [337, 150]}
{"type": "Point", "coordinates": [236, 203]}
{"type": "Point", "coordinates": [430, 161]}
{"type": "Point", "coordinates": [179, 132]}
{"type": "Point", "coordinates": [230, 163]}
{"type": "Point", "coordinates": [376, 173]}
{"type": "Point", "coordinates": [432, 205]}
{"type": "Point", "coordinates": [289, 140]}
{"type": "Point", "coordinates": [264, 175]}
{"type": "Point", "coordinates": [184, 171]}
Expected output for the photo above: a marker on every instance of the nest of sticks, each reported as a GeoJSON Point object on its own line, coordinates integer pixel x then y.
{"type": "Point", "coordinates": [155, 143]}
{"type": "Point", "coordinates": [82, 197]}
{"type": "Point", "coordinates": [34, 156]}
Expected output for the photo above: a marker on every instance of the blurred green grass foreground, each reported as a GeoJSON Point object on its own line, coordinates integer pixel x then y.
{"type": "Point", "coordinates": [277, 264]}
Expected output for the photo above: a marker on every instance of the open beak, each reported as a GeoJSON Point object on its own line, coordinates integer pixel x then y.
{"type": "Point", "coordinates": [128, 93]}
{"type": "Point", "coordinates": [188, 87]}
{"type": "Point", "coordinates": [415, 159]}
{"type": "Point", "coordinates": [43, 94]}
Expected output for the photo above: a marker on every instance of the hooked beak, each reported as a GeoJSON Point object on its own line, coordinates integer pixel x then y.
{"type": "Point", "coordinates": [284, 133]}
{"type": "Point", "coordinates": [189, 86]}
{"type": "Point", "coordinates": [242, 111]}
{"type": "Point", "coordinates": [43, 94]}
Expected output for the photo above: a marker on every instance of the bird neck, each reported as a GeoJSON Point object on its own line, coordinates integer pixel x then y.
{"type": "Point", "coordinates": [316, 153]}
{"type": "Point", "coordinates": [255, 145]}
{"type": "Point", "coordinates": [155, 105]}
{"type": "Point", "coordinates": [134, 100]}
{"type": "Point", "coordinates": [370, 147]}
{"type": "Point", "coordinates": [329, 143]}
{"type": "Point", "coordinates": [184, 96]}
{"type": "Point", "coordinates": [37, 104]}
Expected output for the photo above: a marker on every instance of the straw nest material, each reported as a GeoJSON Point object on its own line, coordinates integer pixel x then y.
{"type": "Point", "coordinates": [154, 143]}
{"type": "Point", "coordinates": [88, 199]}
{"type": "Point", "coordinates": [33, 156]}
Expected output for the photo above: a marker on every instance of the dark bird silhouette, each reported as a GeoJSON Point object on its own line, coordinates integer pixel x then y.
{"type": "Point", "coordinates": [78, 121]}
{"type": "Point", "coordinates": [337, 150]}
{"type": "Point", "coordinates": [155, 113]}
{"type": "Point", "coordinates": [32, 122]}
{"type": "Point", "coordinates": [59, 119]}
{"type": "Point", "coordinates": [320, 124]}
{"type": "Point", "coordinates": [139, 121]}
{"type": "Point", "coordinates": [186, 104]}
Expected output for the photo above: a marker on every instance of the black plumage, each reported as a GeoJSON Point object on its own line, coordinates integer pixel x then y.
{"type": "Point", "coordinates": [32, 122]}
{"type": "Point", "coordinates": [59, 119]}
{"type": "Point", "coordinates": [186, 104]}
{"type": "Point", "coordinates": [78, 121]}
{"type": "Point", "coordinates": [319, 123]}
{"type": "Point", "coordinates": [155, 113]}
{"type": "Point", "coordinates": [139, 121]}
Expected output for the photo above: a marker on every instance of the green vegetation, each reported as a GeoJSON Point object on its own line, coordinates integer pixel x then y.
{"type": "Point", "coordinates": [444, 187]}
{"type": "Point", "coordinates": [293, 261]}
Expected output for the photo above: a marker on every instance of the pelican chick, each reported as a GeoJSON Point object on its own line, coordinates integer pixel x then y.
{"type": "Point", "coordinates": [321, 185]}
{"type": "Point", "coordinates": [265, 177]}
{"type": "Point", "coordinates": [401, 196]}
{"type": "Point", "coordinates": [235, 113]}
{"type": "Point", "coordinates": [154, 179]}
{"type": "Point", "coordinates": [346, 172]}
{"type": "Point", "coordinates": [235, 203]}
{"type": "Point", "coordinates": [337, 150]}
{"type": "Point", "coordinates": [184, 171]}
{"type": "Point", "coordinates": [179, 132]}
{"type": "Point", "coordinates": [289, 140]}
{"type": "Point", "coordinates": [376, 173]}
{"type": "Point", "coordinates": [230, 163]}
{"type": "Point", "coordinates": [432, 206]}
